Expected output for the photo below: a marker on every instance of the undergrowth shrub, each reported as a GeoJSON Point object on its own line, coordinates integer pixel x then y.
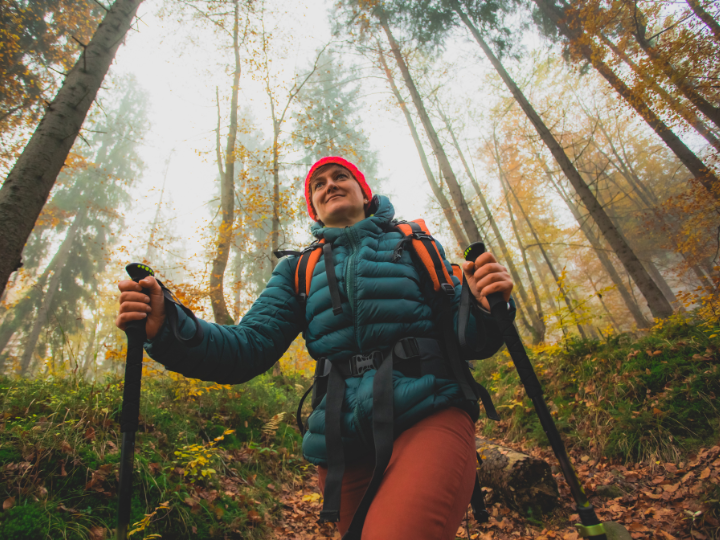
{"type": "Point", "coordinates": [205, 457]}
{"type": "Point", "coordinates": [626, 397]}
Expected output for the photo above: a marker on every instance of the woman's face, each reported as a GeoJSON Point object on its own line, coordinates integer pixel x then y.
{"type": "Point", "coordinates": [337, 197]}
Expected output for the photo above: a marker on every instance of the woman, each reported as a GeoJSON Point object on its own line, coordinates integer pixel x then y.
{"type": "Point", "coordinates": [384, 300]}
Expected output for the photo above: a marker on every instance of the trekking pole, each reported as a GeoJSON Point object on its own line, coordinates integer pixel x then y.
{"type": "Point", "coordinates": [129, 419]}
{"type": "Point", "coordinates": [591, 527]}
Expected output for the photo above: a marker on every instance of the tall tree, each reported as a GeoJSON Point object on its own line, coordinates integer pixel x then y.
{"type": "Point", "coordinates": [656, 301]}
{"type": "Point", "coordinates": [226, 171]}
{"type": "Point", "coordinates": [39, 43]}
{"type": "Point", "coordinates": [457, 231]}
{"type": "Point", "coordinates": [456, 193]}
{"type": "Point", "coordinates": [28, 185]}
{"type": "Point", "coordinates": [705, 17]}
{"type": "Point", "coordinates": [574, 34]}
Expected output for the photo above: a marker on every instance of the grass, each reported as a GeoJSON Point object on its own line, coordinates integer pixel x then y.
{"type": "Point", "coordinates": [651, 398]}
{"type": "Point", "coordinates": [59, 454]}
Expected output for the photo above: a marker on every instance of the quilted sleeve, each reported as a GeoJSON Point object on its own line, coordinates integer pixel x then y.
{"type": "Point", "coordinates": [236, 353]}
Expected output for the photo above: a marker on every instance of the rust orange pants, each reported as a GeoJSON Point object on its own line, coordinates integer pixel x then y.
{"type": "Point", "coordinates": [427, 486]}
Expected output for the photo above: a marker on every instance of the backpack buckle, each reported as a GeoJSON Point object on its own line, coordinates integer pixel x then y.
{"type": "Point", "coordinates": [359, 363]}
{"type": "Point", "coordinates": [448, 289]}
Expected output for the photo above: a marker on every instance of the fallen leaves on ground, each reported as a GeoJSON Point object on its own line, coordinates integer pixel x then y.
{"type": "Point", "coordinates": [659, 501]}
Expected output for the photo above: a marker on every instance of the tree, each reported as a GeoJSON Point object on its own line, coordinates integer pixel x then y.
{"type": "Point", "coordinates": [575, 36]}
{"type": "Point", "coordinates": [39, 41]}
{"type": "Point", "coordinates": [461, 205]}
{"type": "Point", "coordinates": [447, 210]}
{"type": "Point", "coordinates": [91, 198]}
{"type": "Point", "coordinates": [28, 185]}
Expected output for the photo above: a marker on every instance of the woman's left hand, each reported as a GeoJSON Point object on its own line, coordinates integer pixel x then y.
{"type": "Point", "coordinates": [486, 276]}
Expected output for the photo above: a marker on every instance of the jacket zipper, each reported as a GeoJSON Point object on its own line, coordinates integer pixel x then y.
{"type": "Point", "coordinates": [350, 274]}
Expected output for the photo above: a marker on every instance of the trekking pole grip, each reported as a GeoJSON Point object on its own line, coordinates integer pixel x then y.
{"type": "Point", "coordinates": [472, 252]}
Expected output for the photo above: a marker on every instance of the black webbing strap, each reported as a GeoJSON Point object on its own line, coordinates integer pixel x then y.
{"type": "Point", "coordinates": [383, 435]}
{"type": "Point", "coordinates": [477, 500]}
{"type": "Point", "coordinates": [170, 302]}
{"type": "Point", "coordinates": [285, 252]}
{"type": "Point", "coordinates": [334, 445]}
{"type": "Point", "coordinates": [298, 414]}
{"type": "Point", "coordinates": [332, 279]}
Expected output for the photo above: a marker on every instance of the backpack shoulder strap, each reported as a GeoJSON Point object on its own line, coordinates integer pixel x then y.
{"type": "Point", "coordinates": [457, 271]}
{"type": "Point", "coordinates": [305, 267]}
{"type": "Point", "coordinates": [425, 247]}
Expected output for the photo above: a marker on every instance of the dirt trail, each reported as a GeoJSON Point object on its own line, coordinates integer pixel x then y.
{"type": "Point", "coordinates": [657, 500]}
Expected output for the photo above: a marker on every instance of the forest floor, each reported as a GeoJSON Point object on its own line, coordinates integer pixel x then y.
{"type": "Point", "coordinates": [652, 500]}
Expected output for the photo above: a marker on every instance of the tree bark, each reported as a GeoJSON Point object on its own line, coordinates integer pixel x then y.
{"type": "Point", "coordinates": [537, 337]}
{"type": "Point", "coordinates": [656, 301]}
{"type": "Point", "coordinates": [227, 192]}
{"type": "Point", "coordinates": [545, 255]}
{"type": "Point", "coordinates": [58, 264]}
{"type": "Point", "coordinates": [696, 167]}
{"type": "Point", "coordinates": [522, 482]}
{"type": "Point", "coordinates": [705, 17]}
{"type": "Point", "coordinates": [28, 185]}
{"type": "Point", "coordinates": [439, 195]}
{"type": "Point", "coordinates": [461, 205]}
{"type": "Point", "coordinates": [585, 227]}
{"type": "Point", "coordinates": [686, 113]}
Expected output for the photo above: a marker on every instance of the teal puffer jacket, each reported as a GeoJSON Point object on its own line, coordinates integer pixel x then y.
{"type": "Point", "coordinates": [382, 302]}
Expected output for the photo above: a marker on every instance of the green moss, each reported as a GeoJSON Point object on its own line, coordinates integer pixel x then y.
{"type": "Point", "coordinates": [28, 522]}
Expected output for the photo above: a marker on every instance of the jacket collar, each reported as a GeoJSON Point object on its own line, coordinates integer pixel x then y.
{"type": "Point", "coordinates": [373, 225]}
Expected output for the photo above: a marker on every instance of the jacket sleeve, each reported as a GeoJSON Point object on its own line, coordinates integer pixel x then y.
{"type": "Point", "coordinates": [483, 334]}
{"type": "Point", "coordinates": [236, 353]}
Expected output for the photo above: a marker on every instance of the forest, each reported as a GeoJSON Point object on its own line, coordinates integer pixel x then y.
{"type": "Point", "coordinates": [578, 139]}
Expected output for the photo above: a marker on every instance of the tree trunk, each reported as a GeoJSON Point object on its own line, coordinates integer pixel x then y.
{"type": "Point", "coordinates": [439, 195]}
{"type": "Point", "coordinates": [696, 167]}
{"type": "Point", "coordinates": [227, 194]}
{"type": "Point", "coordinates": [599, 295]}
{"type": "Point", "coordinates": [656, 301]}
{"type": "Point", "coordinates": [531, 278]}
{"type": "Point", "coordinates": [505, 253]}
{"type": "Point", "coordinates": [28, 185]}
{"type": "Point", "coordinates": [545, 255]}
{"type": "Point", "coordinates": [686, 113]}
{"type": "Point", "coordinates": [677, 79]}
{"type": "Point", "coordinates": [705, 17]}
{"type": "Point", "coordinates": [585, 227]}
{"type": "Point", "coordinates": [58, 264]}
{"type": "Point", "coordinates": [461, 205]}
{"type": "Point", "coordinates": [523, 483]}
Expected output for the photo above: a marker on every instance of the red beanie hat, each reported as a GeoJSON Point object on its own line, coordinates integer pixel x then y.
{"type": "Point", "coordinates": [360, 177]}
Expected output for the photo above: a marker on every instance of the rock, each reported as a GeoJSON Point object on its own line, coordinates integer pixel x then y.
{"type": "Point", "coordinates": [609, 492]}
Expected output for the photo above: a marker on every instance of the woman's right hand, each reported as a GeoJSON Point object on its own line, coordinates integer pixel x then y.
{"type": "Point", "coordinates": [135, 306]}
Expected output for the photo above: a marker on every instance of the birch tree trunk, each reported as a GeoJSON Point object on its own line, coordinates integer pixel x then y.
{"type": "Point", "coordinates": [657, 303]}
{"type": "Point", "coordinates": [458, 198]}
{"type": "Point", "coordinates": [439, 195]}
{"type": "Point", "coordinates": [227, 192]}
{"type": "Point", "coordinates": [28, 185]}
{"type": "Point", "coordinates": [696, 167]}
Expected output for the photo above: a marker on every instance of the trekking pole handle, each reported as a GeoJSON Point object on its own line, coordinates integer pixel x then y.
{"type": "Point", "coordinates": [472, 252]}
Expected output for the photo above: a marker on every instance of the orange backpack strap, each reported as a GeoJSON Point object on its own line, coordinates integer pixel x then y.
{"type": "Point", "coordinates": [426, 249]}
{"type": "Point", "coordinates": [305, 267]}
{"type": "Point", "coordinates": [457, 272]}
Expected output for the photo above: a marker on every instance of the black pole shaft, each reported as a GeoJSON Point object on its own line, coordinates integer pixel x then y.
{"type": "Point", "coordinates": [533, 388]}
{"type": "Point", "coordinates": [129, 419]}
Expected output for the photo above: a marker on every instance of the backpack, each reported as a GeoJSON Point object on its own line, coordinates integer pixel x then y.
{"type": "Point", "coordinates": [330, 382]}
